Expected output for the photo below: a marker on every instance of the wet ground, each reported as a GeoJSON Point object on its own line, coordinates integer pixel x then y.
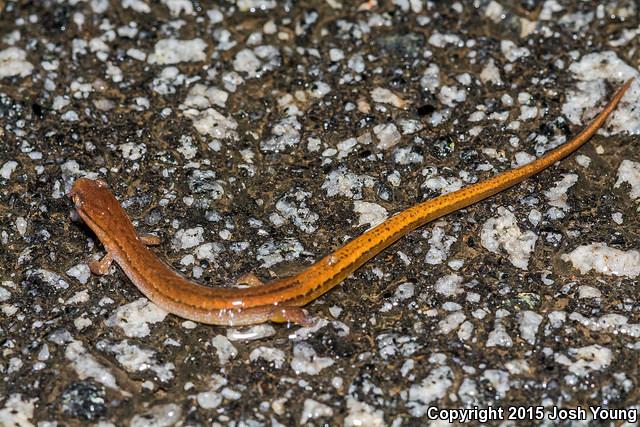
{"type": "Point", "coordinates": [260, 136]}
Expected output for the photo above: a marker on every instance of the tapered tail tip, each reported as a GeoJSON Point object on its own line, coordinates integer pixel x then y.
{"type": "Point", "coordinates": [620, 93]}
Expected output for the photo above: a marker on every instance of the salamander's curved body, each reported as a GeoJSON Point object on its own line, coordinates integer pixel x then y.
{"type": "Point", "coordinates": [280, 300]}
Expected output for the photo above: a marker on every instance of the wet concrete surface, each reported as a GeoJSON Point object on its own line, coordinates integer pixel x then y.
{"type": "Point", "coordinates": [260, 136]}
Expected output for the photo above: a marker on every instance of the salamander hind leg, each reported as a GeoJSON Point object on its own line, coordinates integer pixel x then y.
{"type": "Point", "coordinates": [101, 266]}
{"type": "Point", "coordinates": [295, 315]}
{"type": "Point", "coordinates": [256, 315]}
{"type": "Point", "coordinates": [249, 279]}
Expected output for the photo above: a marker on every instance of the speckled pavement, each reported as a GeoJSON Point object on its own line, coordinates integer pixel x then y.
{"type": "Point", "coordinates": [257, 135]}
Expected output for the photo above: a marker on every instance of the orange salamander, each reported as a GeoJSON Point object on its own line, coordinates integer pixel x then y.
{"type": "Point", "coordinates": [280, 300]}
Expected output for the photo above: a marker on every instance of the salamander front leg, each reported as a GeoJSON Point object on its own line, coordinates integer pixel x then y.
{"type": "Point", "coordinates": [101, 266]}
{"type": "Point", "coordinates": [150, 239]}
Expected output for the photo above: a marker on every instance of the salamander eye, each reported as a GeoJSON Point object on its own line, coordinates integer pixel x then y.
{"type": "Point", "coordinates": [101, 183]}
{"type": "Point", "coordinates": [77, 200]}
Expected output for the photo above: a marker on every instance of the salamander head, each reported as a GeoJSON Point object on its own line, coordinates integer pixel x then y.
{"type": "Point", "coordinates": [94, 202]}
